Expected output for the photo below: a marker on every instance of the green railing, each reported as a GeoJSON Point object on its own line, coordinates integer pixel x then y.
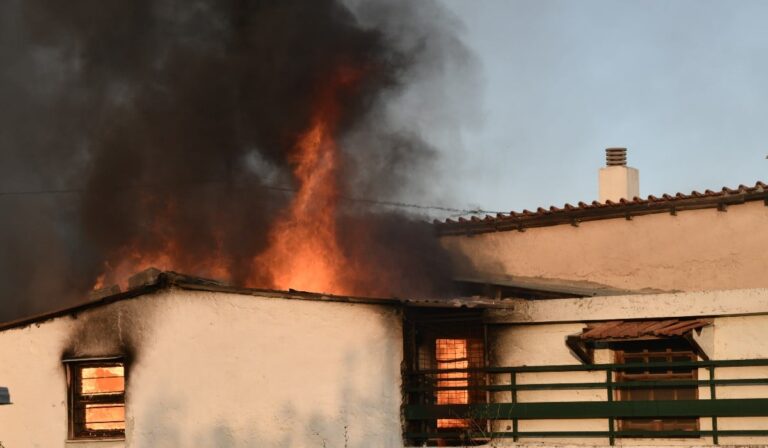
{"type": "Point", "coordinates": [422, 412]}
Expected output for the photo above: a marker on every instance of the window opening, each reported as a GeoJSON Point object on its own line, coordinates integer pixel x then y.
{"type": "Point", "coordinates": [96, 399]}
{"type": "Point", "coordinates": [452, 354]}
{"type": "Point", "coordinates": [447, 340]}
{"type": "Point", "coordinates": [648, 353]}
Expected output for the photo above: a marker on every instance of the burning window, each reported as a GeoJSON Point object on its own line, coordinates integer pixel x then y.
{"type": "Point", "coordinates": [96, 398]}
{"type": "Point", "coordinates": [452, 354]}
{"type": "Point", "coordinates": [445, 356]}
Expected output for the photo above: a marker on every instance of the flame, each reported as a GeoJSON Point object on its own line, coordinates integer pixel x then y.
{"type": "Point", "coordinates": [303, 249]}
{"type": "Point", "coordinates": [304, 252]}
{"type": "Point", "coordinates": [135, 257]}
{"type": "Point", "coordinates": [101, 381]}
{"type": "Point", "coordinates": [452, 354]}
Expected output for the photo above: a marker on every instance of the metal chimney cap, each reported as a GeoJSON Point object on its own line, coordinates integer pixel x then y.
{"type": "Point", "coordinates": [616, 157]}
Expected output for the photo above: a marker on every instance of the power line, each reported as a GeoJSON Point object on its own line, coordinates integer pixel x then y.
{"type": "Point", "coordinates": [456, 211]}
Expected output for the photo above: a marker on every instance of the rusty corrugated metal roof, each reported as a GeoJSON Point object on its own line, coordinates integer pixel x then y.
{"type": "Point", "coordinates": [570, 214]}
{"type": "Point", "coordinates": [620, 329]}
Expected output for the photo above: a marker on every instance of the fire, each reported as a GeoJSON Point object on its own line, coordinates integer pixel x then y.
{"type": "Point", "coordinates": [304, 252]}
{"type": "Point", "coordinates": [101, 382]}
{"type": "Point", "coordinates": [452, 354]}
{"type": "Point", "coordinates": [131, 258]}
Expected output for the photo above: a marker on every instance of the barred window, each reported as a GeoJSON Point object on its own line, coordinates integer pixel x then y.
{"type": "Point", "coordinates": [437, 342]}
{"type": "Point", "coordinates": [648, 353]}
{"type": "Point", "coordinates": [96, 398]}
{"type": "Point", "coordinates": [452, 354]}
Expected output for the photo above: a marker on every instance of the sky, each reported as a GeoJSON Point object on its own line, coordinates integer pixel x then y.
{"type": "Point", "coordinates": [682, 84]}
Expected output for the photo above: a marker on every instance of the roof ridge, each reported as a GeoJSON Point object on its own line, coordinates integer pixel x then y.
{"type": "Point", "coordinates": [553, 215]}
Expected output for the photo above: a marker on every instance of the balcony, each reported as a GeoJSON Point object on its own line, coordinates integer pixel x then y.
{"type": "Point", "coordinates": [732, 394]}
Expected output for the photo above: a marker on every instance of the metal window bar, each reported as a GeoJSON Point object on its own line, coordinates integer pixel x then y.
{"type": "Point", "coordinates": [652, 357]}
{"type": "Point", "coordinates": [419, 382]}
{"type": "Point", "coordinates": [452, 354]}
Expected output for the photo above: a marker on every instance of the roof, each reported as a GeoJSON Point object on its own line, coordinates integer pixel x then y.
{"type": "Point", "coordinates": [518, 287]}
{"type": "Point", "coordinates": [153, 280]}
{"type": "Point", "coordinates": [574, 214]}
{"type": "Point", "coordinates": [620, 329]}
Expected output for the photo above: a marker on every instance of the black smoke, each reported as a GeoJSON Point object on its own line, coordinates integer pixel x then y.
{"type": "Point", "coordinates": [170, 120]}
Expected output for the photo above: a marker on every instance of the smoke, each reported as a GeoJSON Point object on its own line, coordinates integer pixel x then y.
{"type": "Point", "coordinates": [172, 120]}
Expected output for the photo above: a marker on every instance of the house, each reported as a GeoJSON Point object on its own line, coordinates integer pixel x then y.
{"type": "Point", "coordinates": [177, 361]}
{"type": "Point", "coordinates": [625, 322]}
{"type": "Point", "coordinates": [662, 301]}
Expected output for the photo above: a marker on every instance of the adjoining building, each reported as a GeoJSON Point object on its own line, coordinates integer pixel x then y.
{"type": "Point", "coordinates": [629, 322]}
{"type": "Point", "coordinates": [661, 300]}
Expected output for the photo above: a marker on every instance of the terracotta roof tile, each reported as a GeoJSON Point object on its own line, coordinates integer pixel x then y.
{"type": "Point", "coordinates": [595, 210]}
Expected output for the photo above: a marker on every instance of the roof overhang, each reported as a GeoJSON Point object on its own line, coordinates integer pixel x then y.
{"type": "Point", "coordinates": [604, 334]}
{"type": "Point", "coordinates": [623, 209]}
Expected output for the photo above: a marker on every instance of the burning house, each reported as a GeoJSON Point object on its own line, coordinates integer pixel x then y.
{"type": "Point", "coordinates": [256, 148]}
{"type": "Point", "coordinates": [622, 322]}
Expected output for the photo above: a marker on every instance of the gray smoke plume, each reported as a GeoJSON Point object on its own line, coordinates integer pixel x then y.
{"type": "Point", "coordinates": [170, 120]}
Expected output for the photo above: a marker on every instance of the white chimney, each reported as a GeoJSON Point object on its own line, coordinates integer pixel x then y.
{"type": "Point", "coordinates": [617, 180]}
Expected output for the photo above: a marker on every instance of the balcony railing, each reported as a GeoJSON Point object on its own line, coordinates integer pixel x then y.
{"type": "Point", "coordinates": [503, 384]}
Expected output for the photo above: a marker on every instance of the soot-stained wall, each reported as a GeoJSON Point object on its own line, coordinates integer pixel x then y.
{"type": "Point", "coordinates": [31, 365]}
{"type": "Point", "coordinates": [219, 370]}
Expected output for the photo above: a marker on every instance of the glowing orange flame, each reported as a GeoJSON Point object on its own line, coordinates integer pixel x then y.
{"type": "Point", "coordinates": [132, 258]}
{"type": "Point", "coordinates": [100, 381]}
{"type": "Point", "coordinates": [304, 253]}
{"type": "Point", "coordinates": [452, 354]}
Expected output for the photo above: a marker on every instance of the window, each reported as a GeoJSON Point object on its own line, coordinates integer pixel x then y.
{"type": "Point", "coordinates": [438, 341]}
{"type": "Point", "coordinates": [96, 398]}
{"type": "Point", "coordinates": [456, 354]}
{"type": "Point", "coordinates": [649, 353]}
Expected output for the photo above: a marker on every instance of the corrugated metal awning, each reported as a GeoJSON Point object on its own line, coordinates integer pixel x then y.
{"type": "Point", "coordinates": [621, 329]}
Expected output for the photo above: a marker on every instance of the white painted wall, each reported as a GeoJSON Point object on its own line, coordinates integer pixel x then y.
{"type": "Point", "coordinates": [218, 370]}
{"type": "Point", "coordinates": [523, 341]}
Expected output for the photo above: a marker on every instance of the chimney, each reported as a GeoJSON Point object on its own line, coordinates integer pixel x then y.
{"type": "Point", "coordinates": [617, 180]}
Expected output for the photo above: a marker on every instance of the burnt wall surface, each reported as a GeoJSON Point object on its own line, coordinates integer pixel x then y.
{"type": "Point", "coordinates": [219, 370]}
{"type": "Point", "coordinates": [32, 364]}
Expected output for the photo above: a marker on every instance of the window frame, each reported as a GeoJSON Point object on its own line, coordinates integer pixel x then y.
{"type": "Point", "coordinates": [76, 400]}
{"type": "Point", "coordinates": [692, 424]}
{"type": "Point", "coordinates": [422, 328]}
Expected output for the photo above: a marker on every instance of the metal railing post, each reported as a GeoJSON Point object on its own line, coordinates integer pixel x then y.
{"type": "Point", "coordinates": [422, 412]}
{"type": "Point", "coordinates": [513, 388]}
{"type": "Point", "coordinates": [713, 396]}
{"type": "Point", "coordinates": [609, 390]}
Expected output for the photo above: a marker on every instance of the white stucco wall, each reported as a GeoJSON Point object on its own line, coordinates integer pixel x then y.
{"type": "Point", "coordinates": [534, 333]}
{"type": "Point", "coordinates": [692, 251]}
{"type": "Point", "coordinates": [218, 370]}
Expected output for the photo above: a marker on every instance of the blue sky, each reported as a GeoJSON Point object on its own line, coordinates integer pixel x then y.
{"type": "Point", "coordinates": [683, 84]}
